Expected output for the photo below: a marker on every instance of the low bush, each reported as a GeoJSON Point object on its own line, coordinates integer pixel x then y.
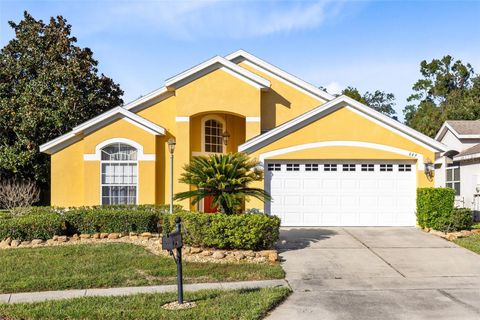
{"type": "Point", "coordinates": [91, 220]}
{"type": "Point", "coordinates": [458, 219]}
{"type": "Point", "coordinates": [435, 209]}
{"type": "Point", "coordinates": [242, 231]}
{"type": "Point", "coordinates": [39, 226]}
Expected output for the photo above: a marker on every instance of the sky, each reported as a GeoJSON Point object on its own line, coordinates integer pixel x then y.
{"type": "Point", "coordinates": [371, 45]}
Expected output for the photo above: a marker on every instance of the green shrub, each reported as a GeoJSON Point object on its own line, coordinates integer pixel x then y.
{"type": "Point", "coordinates": [38, 226]}
{"type": "Point", "coordinates": [91, 220]}
{"type": "Point", "coordinates": [433, 204]}
{"type": "Point", "coordinates": [435, 209]}
{"type": "Point", "coordinates": [242, 231]}
{"type": "Point", "coordinates": [458, 219]}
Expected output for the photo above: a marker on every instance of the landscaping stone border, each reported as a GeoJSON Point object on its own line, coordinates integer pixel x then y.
{"type": "Point", "coordinates": [153, 243]}
{"type": "Point", "coordinates": [450, 236]}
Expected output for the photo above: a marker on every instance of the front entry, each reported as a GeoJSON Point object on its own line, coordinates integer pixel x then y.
{"type": "Point", "coordinates": [208, 205]}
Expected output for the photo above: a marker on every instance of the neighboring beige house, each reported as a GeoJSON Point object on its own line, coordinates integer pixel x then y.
{"type": "Point", "coordinates": [459, 167]}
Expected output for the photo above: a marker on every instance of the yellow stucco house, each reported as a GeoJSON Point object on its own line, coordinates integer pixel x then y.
{"type": "Point", "coordinates": [329, 161]}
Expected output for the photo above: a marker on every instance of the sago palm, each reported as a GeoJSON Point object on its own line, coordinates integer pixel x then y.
{"type": "Point", "coordinates": [225, 178]}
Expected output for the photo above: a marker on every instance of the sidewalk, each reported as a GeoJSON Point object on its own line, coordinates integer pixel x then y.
{"type": "Point", "coordinates": [67, 294]}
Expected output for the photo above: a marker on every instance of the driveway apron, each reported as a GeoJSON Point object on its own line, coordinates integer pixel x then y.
{"type": "Point", "coordinates": [377, 273]}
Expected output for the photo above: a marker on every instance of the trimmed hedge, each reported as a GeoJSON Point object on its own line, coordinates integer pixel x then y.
{"type": "Point", "coordinates": [435, 209]}
{"type": "Point", "coordinates": [88, 220]}
{"type": "Point", "coordinates": [242, 231]}
{"type": "Point", "coordinates": [433, 204]}
{"type": "Point", "coordinates": [38, 226]}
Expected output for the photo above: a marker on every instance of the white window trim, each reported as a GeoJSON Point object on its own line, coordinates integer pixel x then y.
{"type": "Point", "coordinates": [452, 168]}
{"type": "Point", "coordinates": [202, 134]}
{"type": "Point", "coordinates": [97, 156]}
{"type": "Point", "coordinates": [121, 140]}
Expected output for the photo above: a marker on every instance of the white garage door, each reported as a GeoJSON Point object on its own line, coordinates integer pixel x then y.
{"type": "Point", "coordinates": [334, 193]}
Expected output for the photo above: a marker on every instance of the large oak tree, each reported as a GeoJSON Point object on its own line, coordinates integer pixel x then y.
{"type": "Point", "coordinates": [448, 90]}
{"type": "Point", "coordinates": [48, 85]}
{"type": "Point", "coordinates": [380, 101]}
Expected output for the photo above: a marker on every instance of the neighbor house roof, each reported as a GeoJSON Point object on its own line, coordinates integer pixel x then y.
{"type": "Point", "coordinates": [333, 105]}
{"type": "Point", "coordinates": [470, 153]}
{"type": "Point", "coordinates": [462, 129]}
{"type": "Point", "coordinates": [98, 122]}
{"type": "Point", "coordinates": [277, 73]}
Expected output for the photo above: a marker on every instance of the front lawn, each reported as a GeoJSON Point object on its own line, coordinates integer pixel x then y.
{"type": "Point", "coordinates": [471, 243]}
{"type": "Point", "coordinates": [111, 265]}
{"type": "Point", "coordinates": [211, 304]}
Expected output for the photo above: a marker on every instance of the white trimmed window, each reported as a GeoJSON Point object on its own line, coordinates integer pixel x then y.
{"type": "Point", "coordinates": [119, 169]}
{"type": "Point", "coordinates": [453, 179]}
{"type": "Point", "coordinates": [213, 140]}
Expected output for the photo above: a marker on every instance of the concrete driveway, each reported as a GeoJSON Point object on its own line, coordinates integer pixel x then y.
{"type": "Point", "coordinates": [377, 273]}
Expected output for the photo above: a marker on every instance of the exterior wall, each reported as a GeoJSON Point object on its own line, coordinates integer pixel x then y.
{"type": "Point", "coordinates": [469, 180]}
{"type": "Point", "coordinates": [282, 102]}
{"type": "Point", "coordinates": [346, 125]}
{"type": "Point", "coordinates": [76, 182]}
{"type": "Point", "coordinates": [453, 143]}
{"type": "Point", "coordinates": [67, 172]}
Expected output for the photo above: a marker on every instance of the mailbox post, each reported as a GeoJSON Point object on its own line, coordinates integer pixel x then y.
{"type": "Point", "coordinates": [174, 241]}
{"type": "Point", "coordinates": [179, 263]}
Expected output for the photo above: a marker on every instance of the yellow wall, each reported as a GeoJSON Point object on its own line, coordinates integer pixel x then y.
{"type": "Point", "coordinates": [345, 125]}
{"type": "Point", "coordinates": [67, 172]}
{"type": "Point", "coordinates": [76, 182]}
{"type": "Point", "coordinates": [281, 102]}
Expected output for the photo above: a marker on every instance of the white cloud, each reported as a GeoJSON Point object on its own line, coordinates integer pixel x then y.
{"type": "Point", "coordinates": [334, 88]}
{"type": "Point", "coordinates": [214, 18]}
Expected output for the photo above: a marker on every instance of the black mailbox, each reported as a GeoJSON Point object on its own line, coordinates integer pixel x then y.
{"type": "Point", "coordinates": [172, 241]}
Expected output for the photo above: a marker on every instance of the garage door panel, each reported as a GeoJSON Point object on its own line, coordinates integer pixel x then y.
{"type": "Point", "coordinates": [342, 198]}
{"type": "Point", "coordinates": [309, 201]}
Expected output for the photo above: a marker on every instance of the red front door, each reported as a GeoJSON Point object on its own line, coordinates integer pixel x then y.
{"type": "Point", "coordinates": [207, 205]}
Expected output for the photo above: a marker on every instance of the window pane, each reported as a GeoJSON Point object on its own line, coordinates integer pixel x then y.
{"type": "Point", "coordinates": [213, 136]}
{"type": "Point", "coordinates": [456, 174]}
{"type": "Point", "coordinates": [449, 174]}
{"type": "Point", "coordinates": [119, 152]}
{"type": "Point", "coordinates": [457, 188]}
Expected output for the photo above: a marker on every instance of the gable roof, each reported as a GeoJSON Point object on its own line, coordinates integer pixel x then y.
{"type": "Point", "coordinates": [462, 129]}
{"type": "Point", "coordinates": [470, 153]}
{"type": "Point", "coordinates": [259, 64]}
{"type": "Point", "coordinates": [96, 123]}
{"type": "Point", "coordinates": [212, 64]}
{"type": "Point", "coordinates": [333, 105]}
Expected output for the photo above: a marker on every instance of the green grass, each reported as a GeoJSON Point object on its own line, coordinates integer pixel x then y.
{"type": "Point", "coordinates": [111, 265]}
{"type": "Point", "coordinates": [476, 226]}
{"type": "Point", "coordinates": [471, 243]}
{"type": "Point", "coordinates": [211, 304]}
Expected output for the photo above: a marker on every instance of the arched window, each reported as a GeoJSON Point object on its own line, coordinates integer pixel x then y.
{"type": "Point", "coordinates": [119, 174]}
{"type": "Point", "coordinates": [213, 140]}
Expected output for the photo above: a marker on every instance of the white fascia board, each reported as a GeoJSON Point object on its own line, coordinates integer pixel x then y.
{"type": "Point", "coordinates": [331, 106]}
{"type": "Point", "coordinates": [144, 122]}
{"type": "Point", "coordinates": [98, 122]}
{"type": "Point", "coordinates": [279, 74]}
{"type": "Point", "coordinates": [443, 130]}
{"type": "Point", "coordinates": [467, 157]}
{"type": "Point", "coordinates": [157, 96]}
{"type": "Point", "coordinates": [213, 64]}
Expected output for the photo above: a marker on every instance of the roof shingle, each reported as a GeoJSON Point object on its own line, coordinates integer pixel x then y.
{"type": "Point", "coordinates": [465, 126]}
